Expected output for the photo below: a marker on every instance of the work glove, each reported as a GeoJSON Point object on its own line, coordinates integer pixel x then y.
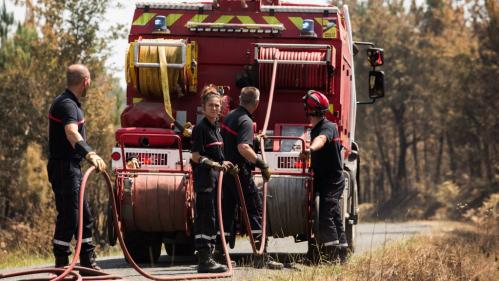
{"type": "Point", "coordinates": [234, 171]}
{"type": "Point", "coordinates": [266, 173]}
{"type": "Point", "coordinates": [96, 161]}
{"type": "Point", "coordinates": [133, 163]}
{"type": "Point", "coordinates": [260, 137]}
{"type": "Point", "coordinates": [227, 165]}
{"type": "Point", "coordinates": [305, 155]}
{"type": "Point", "coordinates": [212, 164]}
{"type": "Point", "coordinates": [187, 132]}
{"type": "Point", "coordinates": [264, 168]}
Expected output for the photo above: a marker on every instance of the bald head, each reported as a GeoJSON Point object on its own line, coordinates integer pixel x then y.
{"type": "Point", "coordinates": [76, 74]}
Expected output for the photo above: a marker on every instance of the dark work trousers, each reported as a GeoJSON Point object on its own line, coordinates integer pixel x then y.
{"type": "Point", "coordinates": [205, 222]}
{"type": "Point", "coordinates": [330, 223]}
{"type": "Point", "coordinates": [65, 177]}
{"type": "Point", "coordinates": [251, 197]}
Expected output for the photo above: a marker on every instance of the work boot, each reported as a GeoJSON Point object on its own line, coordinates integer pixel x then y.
{"type": "Point", "coordinates": [331, 253]}
{"type": "Point", "coordinates": [219, 257]}
{"type": "Point", "coordinates": [266, 261]}
{"type": "Point", "coordinates": [343, 240]}
{"type": "Point", "coordinates": [88, 260]}
{"type": "Point", "coordinates": [61, 261]}
{"type": "Point", "coordinates": [343, 248]}
{"type": "Point", "coordinates": [207, 264]}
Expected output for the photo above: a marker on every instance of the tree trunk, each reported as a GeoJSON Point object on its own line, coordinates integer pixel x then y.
{"type": "Point", "coordinates": [440, 153]}
{"type": "Point", "coordinates": [452, 156]}
{"type": "Point", "coordinates": [385, 161]}
{"type": "Point", "coordinates": [401, 177]}
{"type": "Point", "coordinates": [415, 152]}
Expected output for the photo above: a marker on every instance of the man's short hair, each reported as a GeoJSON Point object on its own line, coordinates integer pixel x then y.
{"type": "Point", "coordinates": [249, 96]}
{"type": "Point", "coordinates": [75, 74]}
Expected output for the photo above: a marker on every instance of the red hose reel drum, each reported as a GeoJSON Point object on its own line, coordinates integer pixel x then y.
{"type": "Point", "coordinates": [293, 76]}
{"type": "Point", "coordinates": [158, 203]}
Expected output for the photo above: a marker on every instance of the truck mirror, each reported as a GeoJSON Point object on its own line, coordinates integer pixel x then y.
{"type": "Point", "coordinates": [375, 56]}
{"type": "Point", "coordinates": [376, 84]}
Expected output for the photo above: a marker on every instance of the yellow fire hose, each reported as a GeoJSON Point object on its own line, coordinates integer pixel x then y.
{"type": "Point", "coordinates": [158, 83]}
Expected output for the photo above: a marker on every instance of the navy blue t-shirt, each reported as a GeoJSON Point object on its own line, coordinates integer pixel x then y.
{"type": "Point", "coordinates": [237, 128]}
{"type": "Point", "coordinates": [65, 109]}
{"type": "Point", "coordinates": [327, 162]}
{"type": "Point", "coordinates": [207, 141]}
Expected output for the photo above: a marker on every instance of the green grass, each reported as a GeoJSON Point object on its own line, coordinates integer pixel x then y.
{"type": "Point", "coordinates": [20, 258]}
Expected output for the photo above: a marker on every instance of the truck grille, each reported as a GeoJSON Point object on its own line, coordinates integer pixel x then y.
{"type": "Point", "coordinates": [288, 162]}
{"type": "Point", "coordinates": [149, 159]}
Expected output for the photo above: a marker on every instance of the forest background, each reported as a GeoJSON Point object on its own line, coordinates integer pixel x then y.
{"type": "Point", "coordinates": [428, 149]}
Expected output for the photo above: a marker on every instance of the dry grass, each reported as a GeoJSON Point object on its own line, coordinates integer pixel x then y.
{"type": "Point", "coordinates": [463, 253]}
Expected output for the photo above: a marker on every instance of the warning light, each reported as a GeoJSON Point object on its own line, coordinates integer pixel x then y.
{"type": "Point", "coordinates": [116, 156]}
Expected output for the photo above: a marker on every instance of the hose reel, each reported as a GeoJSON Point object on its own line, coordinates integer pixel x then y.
{"type": "Point", "coordinates": [158, 68]}
{"type": "Point", "coordinates": [300, 66]}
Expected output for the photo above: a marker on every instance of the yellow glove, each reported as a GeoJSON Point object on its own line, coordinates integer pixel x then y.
{"type": "Point", "coordinates": [234, 170]}
{"type": "Point", "coordinates": [227, 166]}
{"type": "Point", "coordinates": [212, 164]}
{"type": "Point", "coordinates": [187, 132]}
{"type": "Point", "coordinates": [96, 161]}
{"type": "Point", "coordinates": [133, 163]}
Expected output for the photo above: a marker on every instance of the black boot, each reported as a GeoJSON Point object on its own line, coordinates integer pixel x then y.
{"type": "Point", "coordinates": [219, 257]}
{"type": "Point", "coordinates": [266, 261]}
{"type": "Point", "coordinates": [61, 261]}
{"type": "Point", "coordinates": [343, 240]}
{"type": "Point", "coordinates": [207, 264]}
{"type": "Point", "coordinates": [331, 253]}
{"type": "Point", "coordinates": [88, 260]}
{"type": "Point", "coordinates": [343, 248]}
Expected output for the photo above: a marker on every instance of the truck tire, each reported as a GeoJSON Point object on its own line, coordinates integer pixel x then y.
{"type": "Point", "coordinates": [351, 223]}
{"type": "Point", "coordinates": [111, 232]}
{"type": "Point", "coordinates": [180, 249]}
{"type": "Point", "coordinates": [143, 247]}
{"type": "Point", "coordinates": [313, 252]}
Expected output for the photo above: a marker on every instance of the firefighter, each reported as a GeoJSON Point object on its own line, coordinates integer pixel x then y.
{"type": "Point", "coordinates": [208, 161]}
{"type": "Point", "coordinates": [67, 147]}
{"type": "Point", "coordinates": [326, 162]}
{"type": "Point", "coordinates": [237, 132]}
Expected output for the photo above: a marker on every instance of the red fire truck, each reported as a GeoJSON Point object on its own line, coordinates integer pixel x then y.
{"type": "Point", "coordinates": [177, 47]}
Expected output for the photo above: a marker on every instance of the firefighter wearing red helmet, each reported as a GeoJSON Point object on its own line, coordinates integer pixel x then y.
{"type": "Point", "coordinates": [326, 162]}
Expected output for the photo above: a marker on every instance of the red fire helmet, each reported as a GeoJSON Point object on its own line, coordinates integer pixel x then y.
{"type": "Point", "coordinates": [316, 103]}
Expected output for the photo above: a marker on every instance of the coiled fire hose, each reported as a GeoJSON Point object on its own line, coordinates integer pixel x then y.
{"type": "Point", "coordinates": [293, 76]}
{"type": "Point", "coordinates": [157, 83]}
{"type": "Point", "coordinates": [99, 275]}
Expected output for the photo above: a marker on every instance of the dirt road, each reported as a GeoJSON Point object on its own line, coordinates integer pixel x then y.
{"type": "Point", "coordinates": [369, 237]}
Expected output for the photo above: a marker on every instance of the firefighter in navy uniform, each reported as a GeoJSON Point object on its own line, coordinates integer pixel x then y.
{"type": "Point", "coordinates": [67, 147]}
{"type": "Point", "coordinates": [208, 161]}
{"type": "Point", "coordinates": [326, 162]}
{"type": "Point", "coordinates": [237, 132]}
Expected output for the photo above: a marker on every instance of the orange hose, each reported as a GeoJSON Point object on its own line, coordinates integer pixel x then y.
{"type": "Point", "coordinates": [228, 273]}
{"type": "Point", "coordinates": [104, 276]}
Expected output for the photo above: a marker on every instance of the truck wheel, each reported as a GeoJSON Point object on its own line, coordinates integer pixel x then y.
{"type": "Point", "coordinates": [143, 247]}
{"type": "Point", "coordinates": [351, 223]}
{"type": "Point", "coordinates": [313, 253]}
{"type": "Point", "coordinates": [111, 232]}
{"type": "Point", "coordinates": [180, 249]}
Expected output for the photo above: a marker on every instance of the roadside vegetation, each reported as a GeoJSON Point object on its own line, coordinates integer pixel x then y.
{"type": "Point", "coordinates": [458, 251]}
